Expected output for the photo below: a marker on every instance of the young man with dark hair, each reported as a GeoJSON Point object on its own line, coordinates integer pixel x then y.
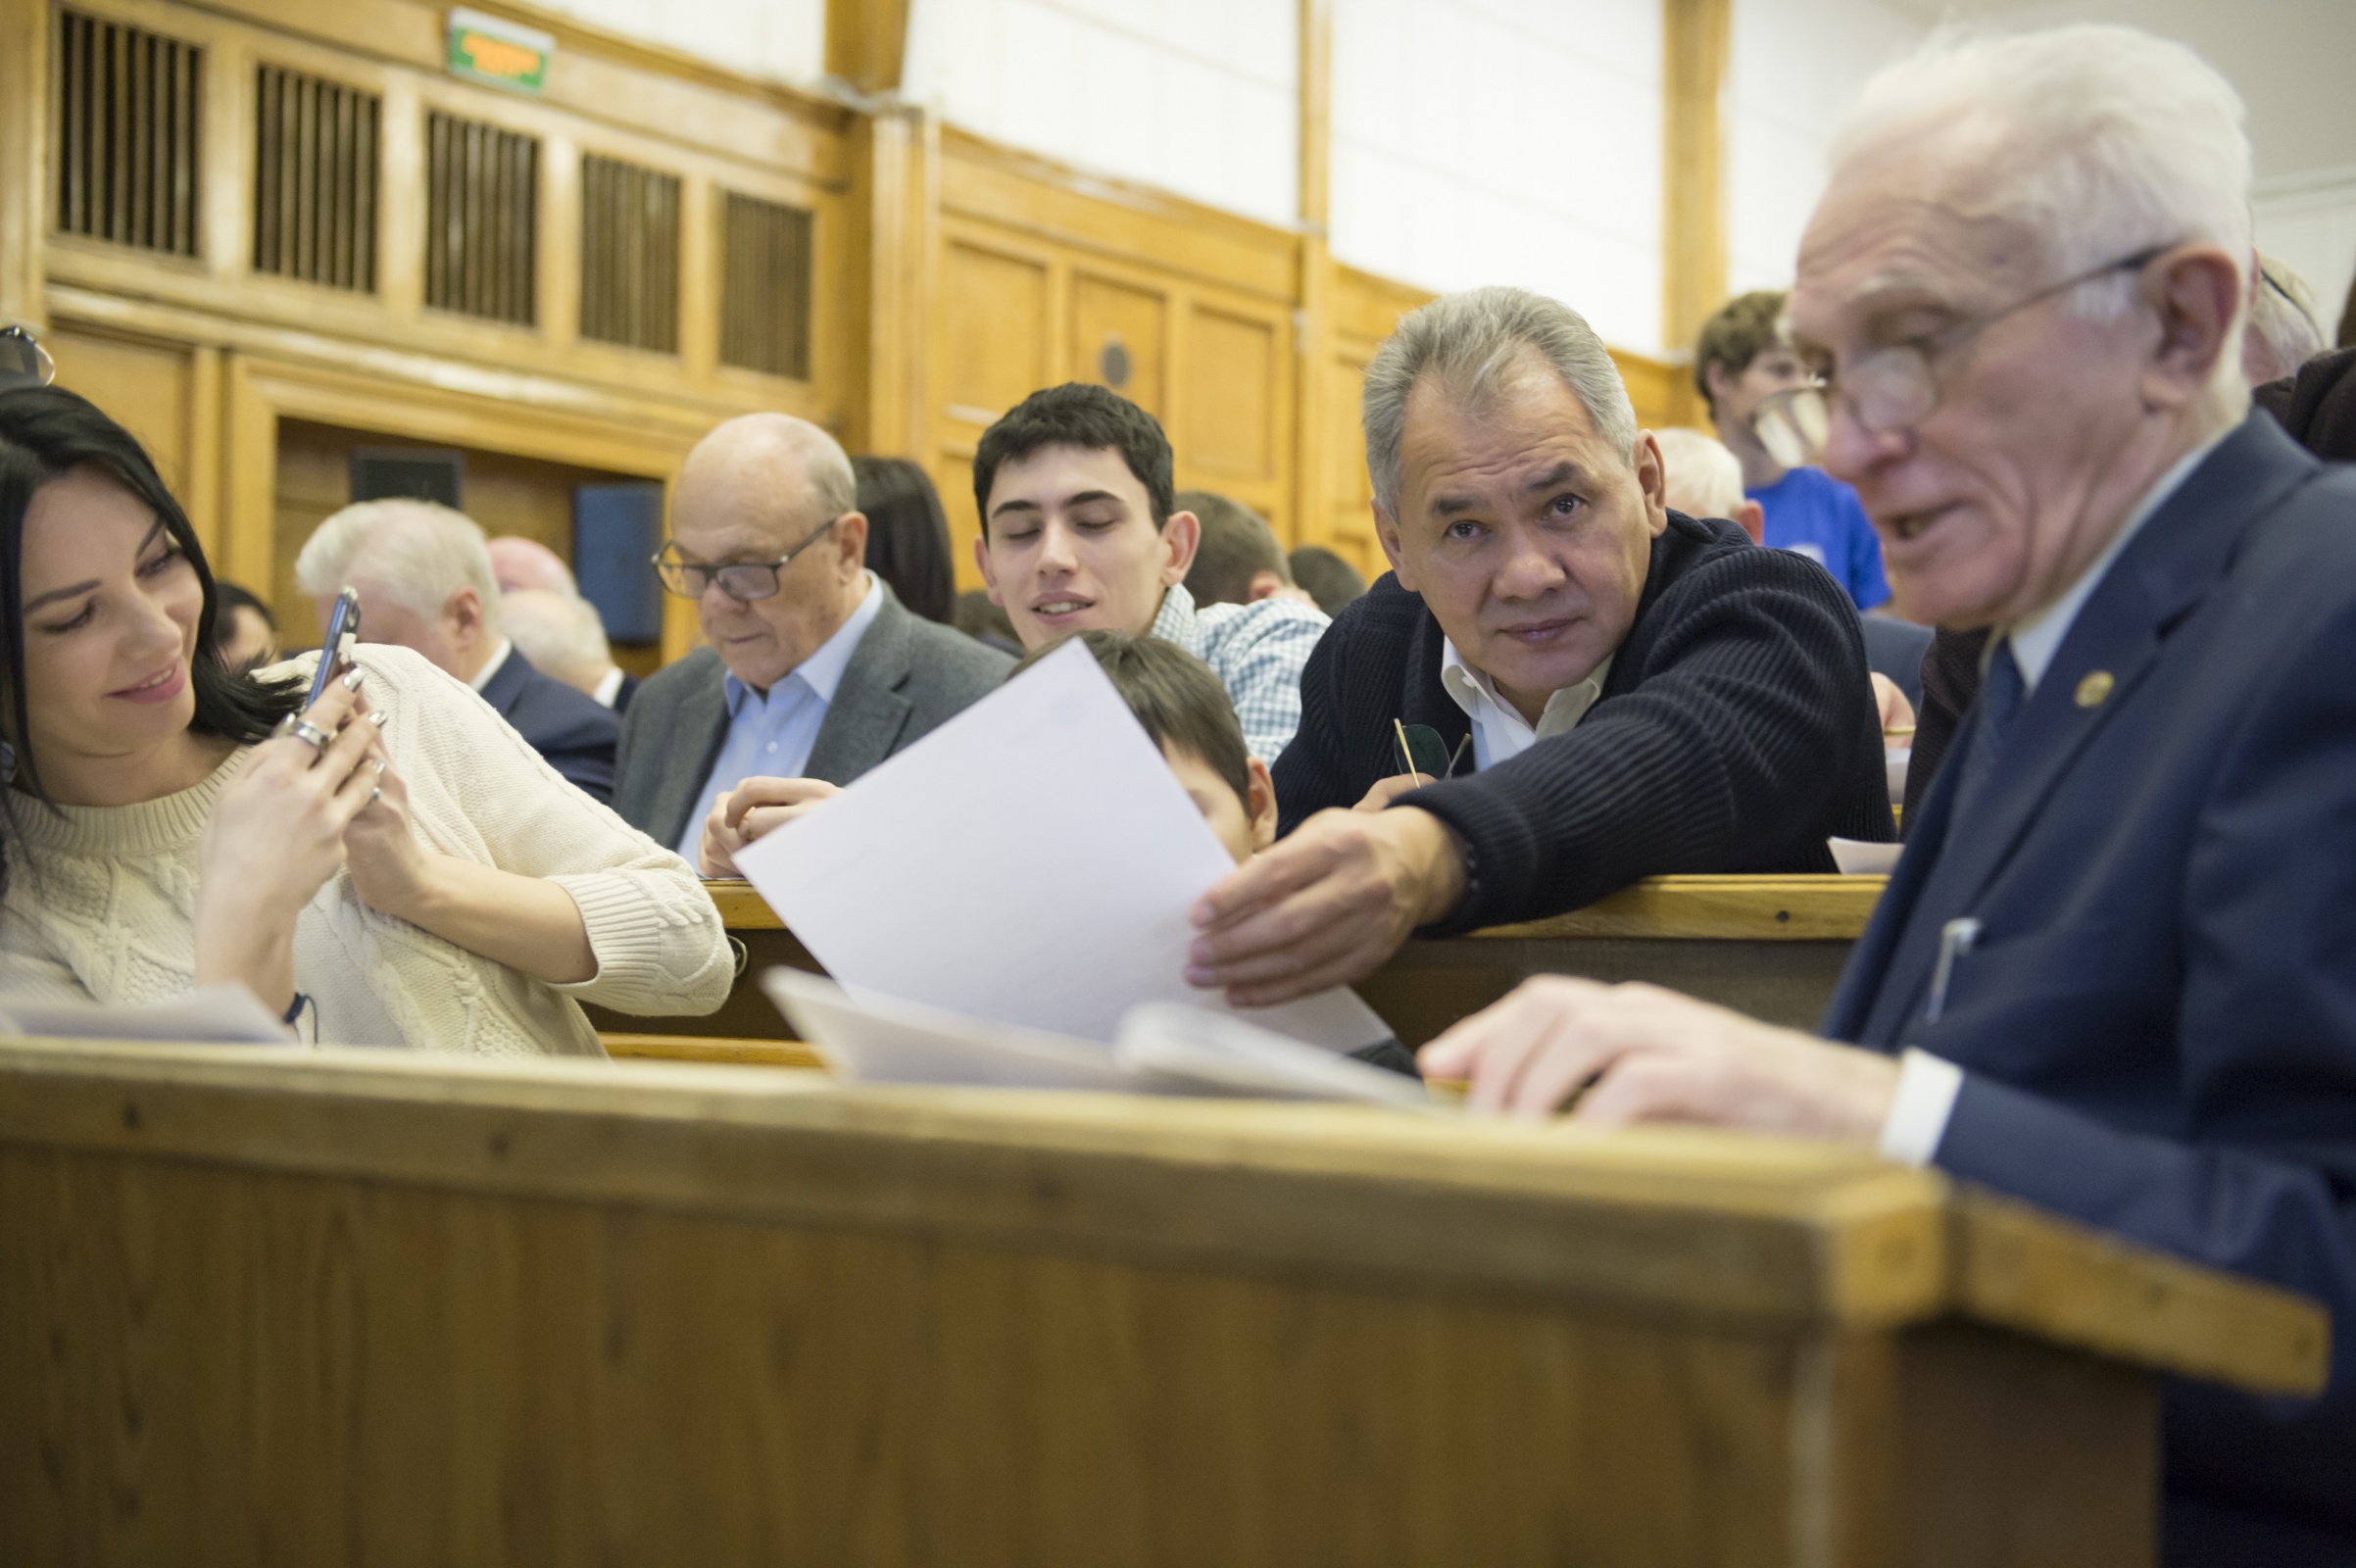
{"type": "Point", "coordinates": [1239, 561]}
{"type": "Point", "coordinates": [1081, 532]}
{"type": "Point", "coordinates": [1742, 361]}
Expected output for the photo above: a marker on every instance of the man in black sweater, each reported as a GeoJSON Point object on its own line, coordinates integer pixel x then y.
{"type": "Point", "coordinates": [1638, 692]}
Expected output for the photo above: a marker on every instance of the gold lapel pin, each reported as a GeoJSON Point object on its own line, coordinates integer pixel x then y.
{"type": "Point", "coordinates": [2094, 688]}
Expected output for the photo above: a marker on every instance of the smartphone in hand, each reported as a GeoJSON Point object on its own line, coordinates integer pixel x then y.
{"type": "Point", "coordinates": [335, 653]}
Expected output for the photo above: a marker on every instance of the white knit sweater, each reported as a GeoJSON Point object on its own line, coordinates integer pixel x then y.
{"type": "Point", "coordinates": [101, 900]}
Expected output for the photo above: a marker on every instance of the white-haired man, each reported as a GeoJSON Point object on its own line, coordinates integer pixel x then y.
{"type": "Point", "coordinates": [564, 638]}
{"type": "Point", "coordinates": [1631, 691]}
{"type": "Point", "coordinates": [814, 672]}
{"type": "Point", "coordinates": [2114, 972]}
{"type": "Point", "coordinates": [426, 582]}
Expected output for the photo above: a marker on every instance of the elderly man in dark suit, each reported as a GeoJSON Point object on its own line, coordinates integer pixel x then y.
{"type": "Point", "coordinates": [426, 582]}
{"type": "Point", "coordinates": [2115, 971]}
{"type": "Point", "coordinates": [1632, 691]}
{"type": "Point", "coordinates": [813, 672]}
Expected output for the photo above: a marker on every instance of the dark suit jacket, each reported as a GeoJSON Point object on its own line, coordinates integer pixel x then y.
{"type": "Point", "coordinates": [1736, 732]}
{"type": "Point", "coordinates": [2157, 1024]}
{"type": "Point", "coordinates": [623, 693]}
{"type": "Point", "coordinates": [567, 728]}
{"type": "Point", "coordinates": [906, 677]}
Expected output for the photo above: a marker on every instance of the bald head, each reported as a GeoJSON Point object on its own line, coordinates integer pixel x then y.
{"type": "Point", "coordinates": [527, 563]}
{"type": "Point", "coordinates": [770, 471]}
{"type": "Point", "coordinates": [755, 490]}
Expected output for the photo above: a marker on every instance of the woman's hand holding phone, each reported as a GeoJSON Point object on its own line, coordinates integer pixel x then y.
{"type": "Point", "coordinates": [276, 836]}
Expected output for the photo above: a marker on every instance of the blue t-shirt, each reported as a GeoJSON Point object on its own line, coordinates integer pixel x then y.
{"type": "Point", "coordinates": [1812, 513]}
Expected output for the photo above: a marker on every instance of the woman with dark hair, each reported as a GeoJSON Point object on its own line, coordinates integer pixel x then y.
{"type": "Point", "coordinates": [908, 535]}
{"type": "Point", "coordinates": [392, 866]}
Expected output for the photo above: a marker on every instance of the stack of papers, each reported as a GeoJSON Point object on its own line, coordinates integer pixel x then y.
{"type": "Point", "coordinates": [1029, 869]}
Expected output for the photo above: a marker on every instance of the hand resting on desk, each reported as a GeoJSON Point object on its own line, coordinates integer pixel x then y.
{"type": "Point", "coordinates": [1634, 1053]}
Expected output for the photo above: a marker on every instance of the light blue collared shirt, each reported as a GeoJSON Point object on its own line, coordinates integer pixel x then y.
{"type": "Point", "coordinates": [771, 736]}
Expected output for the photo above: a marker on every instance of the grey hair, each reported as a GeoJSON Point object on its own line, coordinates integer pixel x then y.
{"type": "Point", "coordinates": [562, 636]}
{"type": "Point", "coordinates": [2282, 330]}
{"type": "Point", "coordinates": [1474, 344]}
{"type": "Point", "coordinates": [1702, 478]}
{"type": "Point", "coordinates": [2098, 139]}
{"type": "Point", "coordinates": [419, 552]}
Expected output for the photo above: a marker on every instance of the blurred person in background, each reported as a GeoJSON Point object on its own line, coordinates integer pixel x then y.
{"type": "Point", "coordinates": [564, 638]}
{"type": "Point", "coordinates": [426, 582]}
{"type": "Point", "coordinates": [517, 562]}
{"type": "Point", "coordinates": [908, 535]}
{"type": "Point", "coordinates": [1238, 560]}
{"type": "Point", "coordinates": [1743, 359]}
{"type": "Point", "coordinates": [1329, 580]}
{"type": "Point", "coordinates": [247, 633]}
{"type": "Point", "coordinates": [391, 866]}
{"type": "Point", "coordinates": [2282, 333]}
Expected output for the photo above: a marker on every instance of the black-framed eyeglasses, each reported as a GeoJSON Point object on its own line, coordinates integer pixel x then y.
{"type": "Point", "coordinates": [1895, 388]}
{"type": "Point", "coordinates": [23, 360]}
{"type": "Point", "coordinates": [741, 580]}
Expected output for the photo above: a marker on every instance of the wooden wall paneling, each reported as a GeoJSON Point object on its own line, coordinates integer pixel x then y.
{"type": "Point", "coordinates": [148, 387]}
{"type": "Point", "coordinates": [700, 277]}
{"type": "Point", "coordinates": [558, 249]}
{"type": "Point", "coordinates": [889, 252]}
{"type": "Point", "coordinates": [26, 70]}
{"type": "Point", "coordinates": [715, 131]}
{"type": "Point", "coordinates": [1693, 60]}
{"type": "Point", "coordinates": [1237, 414]}
{"type": "Point", "coordinates": [1117, 325]}
{"type": "Point", "coordinates": [226, 207]}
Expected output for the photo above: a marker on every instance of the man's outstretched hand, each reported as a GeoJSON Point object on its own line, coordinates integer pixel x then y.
{"type": "Point", "coordinates": [1326, 905]}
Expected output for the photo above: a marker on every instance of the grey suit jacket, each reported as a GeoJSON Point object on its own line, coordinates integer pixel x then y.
{"type": "Point", "coordinates": [908, 676]}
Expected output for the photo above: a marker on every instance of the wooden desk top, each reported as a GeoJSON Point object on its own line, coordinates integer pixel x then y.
{"type": "Point", "coordinates": [1725, 1227]}
{"type": "Point", "coordinates": [1772, 909]}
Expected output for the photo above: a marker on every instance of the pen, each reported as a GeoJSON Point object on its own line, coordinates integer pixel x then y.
{"type": "Point", "coordinates": [1955, 938]}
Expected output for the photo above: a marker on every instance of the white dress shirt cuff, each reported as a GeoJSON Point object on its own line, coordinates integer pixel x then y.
{"type": "Point", "coordinates": [1919, 1111]}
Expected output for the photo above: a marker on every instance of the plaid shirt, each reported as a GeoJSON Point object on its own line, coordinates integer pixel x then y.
{"type": "Point", "coordinates": [1257, 651]}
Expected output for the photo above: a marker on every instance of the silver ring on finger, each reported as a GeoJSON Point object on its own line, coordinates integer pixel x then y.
{"type": "Point", "coordinates": [311, 734]}
{"type": "Point", "coordinates": [375, 795]}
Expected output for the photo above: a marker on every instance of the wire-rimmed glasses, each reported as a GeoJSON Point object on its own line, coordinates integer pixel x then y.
{"type": "Point", "coordinates": [741, 580]}
{"type": "Point", "coordinates": [1893, 388]}
{"type": "Point", "coordinates": [23, 360]}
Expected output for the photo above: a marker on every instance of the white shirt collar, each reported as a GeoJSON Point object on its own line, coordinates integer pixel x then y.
{"type": "Point", "coordinates": [1500, 731]}
{"type": "Point", "coordinates": [490, 665]}
{"type": "Point", "coordinates": [822, 670]}
{"type": "Point", "coordinates": [609, 686]}
{"type": "Point", "coordinates": [2037, 638]}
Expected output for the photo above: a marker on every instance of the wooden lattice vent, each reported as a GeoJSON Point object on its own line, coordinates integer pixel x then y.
{"type": "Point", "coordinates": [127, 111]}
{"type": "Point", "coordinates": [766, 287]}
{"type": "Point", "coordinates": [482, 215]}
{"type": "Point", "coordinates": [315, 180]}
{"type": "Point", "coordinates": [629, 255]}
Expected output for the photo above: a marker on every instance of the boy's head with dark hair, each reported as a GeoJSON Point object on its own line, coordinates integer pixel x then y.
{"type": "Point", "coordinates": [1742, 359]}
{"type": "Point", "coordinates": [1239, 560]}
{"type": "Point", "coordinates": [1079, 531]}
{"type": "Point", "coordinates": [1184, 711]}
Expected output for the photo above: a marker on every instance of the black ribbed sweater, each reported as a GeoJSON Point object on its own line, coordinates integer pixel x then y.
{"type": "Point", "coordinates": [1736, 732]}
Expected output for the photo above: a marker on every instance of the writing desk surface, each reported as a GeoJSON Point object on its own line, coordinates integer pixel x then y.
{"type": "Point", "coordinates": [1727, 1226]}
{"type": "Point", "coordinates": [1758, 908]}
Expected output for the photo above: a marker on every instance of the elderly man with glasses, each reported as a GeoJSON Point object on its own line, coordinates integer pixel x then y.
{"type": "Point", "coordinates": [813, 672]}
{"type": "Point", "coordinates": [2114, 972]}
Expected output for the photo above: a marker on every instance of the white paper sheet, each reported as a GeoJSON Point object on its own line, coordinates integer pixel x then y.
{"type": "Point", "coordinates": [209, 1015]}
{"type": "Point", "coordinates": [1163, 1047]}
{"type": "Point", "coordinates": [1031, 861]}
{"type": "Point", "coordinates": [1859, 857]}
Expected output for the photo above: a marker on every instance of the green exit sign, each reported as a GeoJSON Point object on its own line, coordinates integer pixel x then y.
{"type": "Point", "coordinates": [503, 53]}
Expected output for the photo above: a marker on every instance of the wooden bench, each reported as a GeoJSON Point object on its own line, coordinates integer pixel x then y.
{"type": "Point", "coordinates": [1769, 945]}
{"type": "Point", "coordinates": [375, 1306]}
